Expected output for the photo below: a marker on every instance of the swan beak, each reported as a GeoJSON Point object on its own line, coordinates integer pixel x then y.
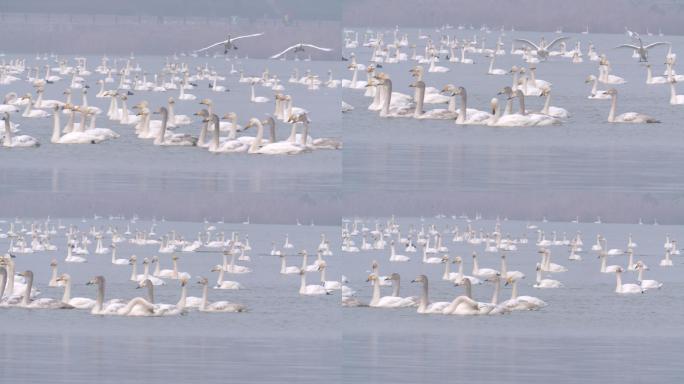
{"type": "Point", "coordinates": [413, 281]}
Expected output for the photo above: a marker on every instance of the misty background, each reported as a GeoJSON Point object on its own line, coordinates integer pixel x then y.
{"type": "Point", "coordinates": [166, 27]}
{"type": "Point", "coordinates": [606, 16]}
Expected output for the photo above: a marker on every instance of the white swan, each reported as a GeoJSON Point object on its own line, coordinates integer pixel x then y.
{"type": "Point", "coordinates": [393, 301]}
{"type": "Point", "coordinates": [650, 79]}
{"type": "Point", "coordinates": [217, 306]}
{"type": "Point", "coordinates": [521, 303]}
{"type": "Point", "coordinates": [42, 303]}
{"type": "Point", "coordinates": [135, 307]}
{"type": "Point", "coordinates": [550, 110]}
{"type": "Point", "coordinates": [628, 117]}
{"type": "Point", "coordinates": [225, 284]}
{"type": "Point", "coordinates": [419, 113]}
{"type": "Point", "coordinates": [626, 288]}
{"type": "Point", "coordinates": [482, 273]}
{"type": "Point", "coordinates": [279, 148]}
{"type": "Point", "coordinates": [19, 141]}
{"type": "Point", "coordinates": [165, 138]}
{"type": "Point", "coordinates": [675, 99]}
{"type": "Point", "coordinates": [468, 116]}
{"type": "Point", "coordinates": [33, 113]}
{"type": "Point", "coordinates": [595, 92]}
{"type": "Point", "coordinates": [646, 284]}
{"type": "Point", "coordinates": [257, 99]}
{"type": "Point", "coordinates": [76, 302]}
{"type": "Point", "coordinates": [545, 283]}
{"type": "Point", "coordinates": [328, 284]}
{"type": "Point", "coordinates": [116, 261]}
{"type": "Point", "coordinates": [458, 279]}
{"type": "Point", "coordinates": [394, 257]}
{"type": "Point", "coordinates": [310, 290]}
{"type": "Point", "coordinates": [492, 70]}
{"type": "Point", "coordinates": [300, 47]}
{"type": "Point", "coordinates": [424, 304]}
{"type": "Point", "coordinates": [169, 273]}
{"type": "Point", "coordinates": [506, 274]}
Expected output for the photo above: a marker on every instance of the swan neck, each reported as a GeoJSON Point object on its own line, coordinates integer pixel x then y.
{"type": "Point", "coordinates": [67, 291]}
{"type": "Point", "coordinates": [613, 108]}
{"type": "Point", "coordinates": [396, 285]}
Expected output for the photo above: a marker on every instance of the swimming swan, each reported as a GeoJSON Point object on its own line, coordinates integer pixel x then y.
{"type": "Point", "coordinates": [628, 117]}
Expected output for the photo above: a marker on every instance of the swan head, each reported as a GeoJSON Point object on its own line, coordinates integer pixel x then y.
{"type": "Point", "coordinates": [217, 268]}
{"type": "Point", "coordinates": [144, 283]}
{"type": "Point", "coordinates": [611, 92]}
{"type": "Point", "coordinates": [253, 122]}
{"type": "Point", "coordinates": [474, 255]}
{"type": "Point", "coordinates": [133, 259]}
{"type": "Point", "coordinates": [206, 102]}
{"type": "Point", "coordinates": [618, 270]}
{"type": "Point", "coordinates": [494, 104]}
{"type": "Point", "coordinates": [418, 84]}
{"type": "Point", "coordinates": [420, 279]}
{"type": "Point", "coordinates": [505, 91]}
{"type": "Point", "coordinates": [203, 113]}
{"type": "Point", "coordinates": [449, 88]}
{"type": "Point", "coordinates": [322, 265]}
{"type": "Point", "coordinates": [590, 79]}
{"type": "Point", "coordinates": [393, 277]}
{"type": "Point", "coordinates": [27, 274]}
{"type": "Point", "coordinates": [171, 101]}
{"type": "Point", "coordinates": [494, 278]}
{"type": "Point", "coordinates": [445, 259]}
{"type": "Point", "coordinates": [545, 91]}
{"type": "Point", "coordinates": [202, 280]}
{"type": "Point", "coordinates": [174, 258]}
{"type": "Point", "coordinates": [53, 263]}
{"type": "Point", "coordinates": [371, 277]}
{"type": "Point", "coordinates": [96, 280]}
{"type": "Point", "coordinates": [155, 259]}
{"type": "Point", "coordinates": [64, 278]}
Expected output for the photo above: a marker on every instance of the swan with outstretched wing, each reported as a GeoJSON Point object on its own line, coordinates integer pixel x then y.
{"type": "Point", "coordinates": [228, 43]}
{"type": "Point", "coordinates": [300, 48]}
{"type": "Point", "coordinates": [641, 49]}
{"type": "Point", "coordinates": [543, 48]}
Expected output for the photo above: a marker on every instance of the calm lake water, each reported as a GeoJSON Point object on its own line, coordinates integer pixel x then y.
{"type": "Point", "coordinates": [584, 167]}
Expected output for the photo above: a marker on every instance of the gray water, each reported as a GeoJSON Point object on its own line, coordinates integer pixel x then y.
{"type": "Point", "coordinates": [282, 336]}
{"type": "Point", "coordinates": [586, 333]}
{"type": "Point", "coordinates": [584, 167]}
{"type": "Point", "coordinates": [180, 182]}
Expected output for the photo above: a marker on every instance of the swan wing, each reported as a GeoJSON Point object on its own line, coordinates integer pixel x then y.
{"type": "Point", "coordinates": [212, 46]}
{"type": "Point", "coordinates": [556, 41]}
{"type": "Point", "coordinates": [656, 44]}
{"type": "Point", "coordinates": [245, 36]}
{"type": "Point", "coordinates": [284, 51]}
{"type": "Point", "coordinates": [316, 47]}
{"type": "Point", "coordinates": [531, 44]}
{"type": "Point", "coordinates": [627, 46]}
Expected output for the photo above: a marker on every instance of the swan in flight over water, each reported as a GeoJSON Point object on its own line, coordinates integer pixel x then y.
{"type": "Point", "coordinates": [543, 48]}
{"type": "Point", "coordinates": [300, 48]}
{"type": "Point", "coordinates": [228, 44]}
{"type": "Point", "coordinates": [639, 46]}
